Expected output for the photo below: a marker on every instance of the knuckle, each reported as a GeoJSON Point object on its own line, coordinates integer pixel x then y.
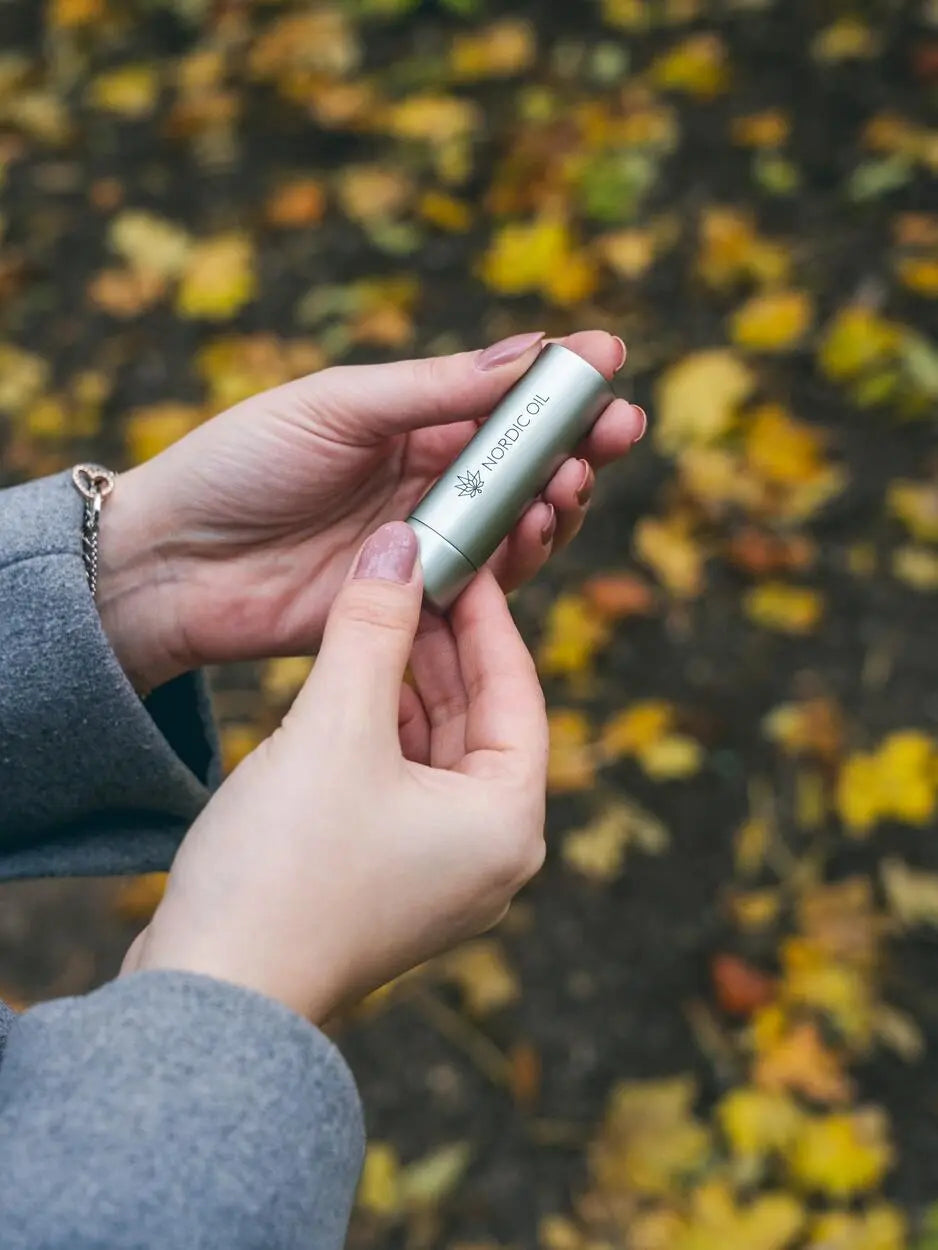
{"type": "Point", "coordinates": [381, 606]}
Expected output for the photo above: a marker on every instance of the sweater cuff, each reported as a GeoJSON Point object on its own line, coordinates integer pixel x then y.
{"type": "Point", "coordinates": [171, 1101]}
{"type": "Point", "coordinates": [98, 780]}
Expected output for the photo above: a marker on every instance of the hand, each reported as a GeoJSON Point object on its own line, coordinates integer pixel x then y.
{"type": "Point", "coordinates": [232, 543]}
{"type": "Point", "coordinates": [352, 845]}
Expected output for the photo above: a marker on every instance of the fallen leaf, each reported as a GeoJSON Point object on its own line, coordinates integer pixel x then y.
{"type": "Point", "coordinates": [898, 781]}
{"type": "Point", "coordinates": [739, 987]}
{"type": "Point", "coordinates": [482, 973]}
{"type": "Point", "coordinates": [768, 129]}
{"type": "Point", "coordinates": [446, 212]}
{"type": "Point", "coordinates": [379, 1189]}
{"type": "Point", "coordinates": [571, 762]}
{"type": "Point", "coordinates": [573, 634]}
{"type": "Point", "coordinates": [919, 274]}
{"type": "Point", "coordinates": [879, 1227]}
{"type": "Point", "coordinates": [772, 322]}
{"type": "Point", "coordinates": [501, 50]}
{"type": "Point", "coordinates": [148, 431]}
{"type": "Point", "coordinates": [846, 39]}
{"type": "Point", "coordinates": [636, 728]}
{"type": "Point", "coordinates": [781, 449]}
{"type": "Point", "coordinates": [598, 849]}
{"type": "Point", "coordinates": [793, 1059]}
{"type": "Point", "coordinates": [524, 1076]}
{"type": "Point", "coordinates": [915, 504]}
{"type": "Point", "coordinates": [149, 244]}
{"type": "Point", "coordinates": [842, 1154]}
{"type": "Point", "coordinates": [784, 608]}
{"type": "Point", "coordinates": [282, 678]}
{"type": "Point", "coordinates": [840, 991]}
{"type": "Point", "coordinates": [23, 377]}
{"type": "Point", "coordinates": [911, 893]}
{"type": "Point", "coordinates": [650, 1140]}
{"type": "Point", "coordinates": [699, 67]}
{"type": "Point", "coordinates": [732, 251]}
{"type": "Point", "coordinates": [296, 203]}
{"type": "Point", "coordinates": [130, 91]}
{"type": "Point", "coordinates": [669, 548]}
{"type": "Point", "coordinates": [757, 1123]}
{"type": "Point", "coordinates": [218, 279]}
{"type": "Point", "coordinates": [672, 758]}
{"type": "Point", "coordinates": [428, 1181]}
{"type": "Point", "coordinates": [813, 727]}
{"type": "Point", "coordinates": [619, 596]}
{"type": "Point", "coordinates": [696, 400]}
{"type": "Point", "coordinates": [432, 118]}
{"type": "Point", "coordinates": [717, 1220]}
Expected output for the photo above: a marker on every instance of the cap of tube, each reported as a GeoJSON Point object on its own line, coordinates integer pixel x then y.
{"type": "Point", "coordinates": [446, 571]}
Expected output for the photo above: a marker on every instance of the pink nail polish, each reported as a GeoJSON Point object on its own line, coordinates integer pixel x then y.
{"type": "Point", "coordinates": [643, 426]}
{"type": "Point", "coordinates": [550, 527]}
{"type": "Point", "coordinates": [623, 353]}
{"type": "Point", "coordinates": [389, 554]}
{"type": "Point", "coordinates": [506, 350]}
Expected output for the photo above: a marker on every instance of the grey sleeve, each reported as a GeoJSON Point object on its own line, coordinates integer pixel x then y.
{"type": "Point", "coordinates": [92, 778]}
{"type": "Point", "coordinates": [168, 1109]}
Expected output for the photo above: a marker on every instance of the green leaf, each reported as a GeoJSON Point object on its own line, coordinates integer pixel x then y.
{"type": "Point", "coordinates": [613, 185]}
{"type": "Point", "coordinates": [775, 174]}
{"type": "Point", "coordinates": [871, 179]}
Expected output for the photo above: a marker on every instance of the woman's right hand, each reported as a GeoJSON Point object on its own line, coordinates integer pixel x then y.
{"type": "Point", "coordinates": [382, 822]}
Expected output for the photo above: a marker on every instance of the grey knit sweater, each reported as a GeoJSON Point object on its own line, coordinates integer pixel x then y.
{"type": "Point", "coordinates": [165, 1109]}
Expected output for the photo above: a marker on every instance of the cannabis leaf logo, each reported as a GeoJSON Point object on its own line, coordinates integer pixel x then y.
{"type": "Point", "coordinates": [469, 484]}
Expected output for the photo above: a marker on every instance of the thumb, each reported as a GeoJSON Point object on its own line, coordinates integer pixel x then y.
{"type": "Point", "coordinates": [355, 684]}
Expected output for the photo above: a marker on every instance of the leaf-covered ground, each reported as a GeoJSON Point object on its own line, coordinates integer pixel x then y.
{"type": "Point", "coordinates": [712, 1021]}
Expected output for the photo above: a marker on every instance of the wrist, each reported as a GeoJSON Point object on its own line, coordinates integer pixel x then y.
{"type": "Point", "coordinates": [134, 593]}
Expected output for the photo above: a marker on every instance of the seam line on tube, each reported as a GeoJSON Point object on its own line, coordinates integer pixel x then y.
{"type": "Point", "coordinates": [449, 542]}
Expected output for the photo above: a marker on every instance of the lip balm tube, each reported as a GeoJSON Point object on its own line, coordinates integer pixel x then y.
{"type": "Point", "coordinates": [469, 510]}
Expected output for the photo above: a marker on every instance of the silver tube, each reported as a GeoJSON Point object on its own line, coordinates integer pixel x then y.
{"type": "Point", "coordinates": [466, 514]}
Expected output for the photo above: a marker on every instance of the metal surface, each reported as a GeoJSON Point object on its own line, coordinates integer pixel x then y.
{"type": "Point", "coordinates": [466, 514]}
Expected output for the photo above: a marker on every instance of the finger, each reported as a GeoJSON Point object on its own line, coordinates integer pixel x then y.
{"type": "Point", "coordinates": [413, 728]}
{"type": "Point", "coordinates": [375, 401]}
{"type": "Point", "coordinates": [528, 546]}
{"type": "Point", "coordinates": [506, 728]}
{"type": "Point", "coordinates": [354, 688]}
{"type": "Point", "coordinates": [618, 429]}
{"type": "Point", "coordinates": [437, 674]}
{"type": "Point", "coordinates": [569, 491]}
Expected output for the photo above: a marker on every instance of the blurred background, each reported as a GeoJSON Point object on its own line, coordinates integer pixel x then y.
{"type": "Point", "coordinates": [712, 1020]}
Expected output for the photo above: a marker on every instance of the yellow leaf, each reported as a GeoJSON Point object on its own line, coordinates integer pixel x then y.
{"type": "Point", "coordinates": [379, 1188]}
{"type": "Point", "coordinates": [846, 39]}
{"type": "Point", "coordinates": [540, 255]}
{"type": "Point", "coordinates": [920, 274]}
{"type": "Point", "coordinates": [768, 129]}
{"type": "Point", "coordinates": [717, 1222]}
{"type": "Point", "coordinates": [840, 991]}
{"type": "Point", "coordinates": [732, 251]}
{"type": "Point", "coordinates": [69, 14]}
{"type": "Point", "coordinates": [697, 399]}
{"type": "Point", "coordinates": [500, 50]}
{"type": "Point", "coordinates": [773, 322]}
{"type": "Point", "coordinates": [755, 909]}
{"type": "Point", "coordinates": [855, 341]}
{"type": "Point", "coordinates": [917, 567]}
{"type": "Point", "coordinates": [699, 67]}
{"type": "Point", "coordinates": [629, 253]}
{"type": "Point", "coordinates": [446, 212]}
{"type": "Point", "coordinates": [149, 243]}
{"type": "Point", "coordinates": [781, 449]}
{"type": "Point", "coordinates": [650, 1140]}
{"type": "Point", "coordinates": [138, 898]}
{"type": "Point", "coordinates": [148, 431]}
{"type": "Point", "coordinates": [916, 506]}
{"type": "Point", "coordinates": [899, 781]}
{"type": "Point", "coordinates": [483, 974]}
{"type": "Point", "coordinates": [218, 279]}
{"type": "Point", "coordinates": [372, 192]}
{"type": "Point", "coordinates": [672, 758]}
{"type": "Point", "coordinates": [842, 1154]}
{"type": "Point", "coordinates": [672, 553]}
{"type": "Point", "coordinates": [912, 895]}
{"type": "Point", "coordinates": [879, 1227]}
{"type": "Point", "coordinates": [570, 762]}
{"type": "Point", "coordinates": [796, 1061]}
{"type": "Point", "coordinates": [574, 633]}
{"type": "Point", "coordinates": [597, 850]}
{"type": "Point", "coordinates": [636, 728]}
{"type": "Point", "coordinates": [236, 366]}
{"type": "Point", "coordinates": [434, 118]}
{"type": "Point", "coordinates": [130, 91]}
{"type": "Point", "coordinates": [786, 609]}
{"type": "Point", "coordinates": [295, 46]}
{"type": "Point", "coordinates": [126, 292]}
{"type": "Point", "coordinates": [758, 1123]}
{"type": "Point", "coordinates": [22, 378]}
{"type": "Point", "coordinates": [813, 727]}
{"type": "Point", "coordinates": [428, 1181]}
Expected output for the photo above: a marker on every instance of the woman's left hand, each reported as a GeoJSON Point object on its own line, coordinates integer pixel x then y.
{"type": "Point", "coordinates": [233, 542]}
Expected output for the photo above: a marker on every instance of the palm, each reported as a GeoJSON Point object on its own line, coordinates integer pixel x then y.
{"type": "Point", "coordinates": [273, 521]}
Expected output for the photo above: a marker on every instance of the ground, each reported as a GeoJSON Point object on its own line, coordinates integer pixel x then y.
{"type": "Point", "coordinates": [711, 1020]}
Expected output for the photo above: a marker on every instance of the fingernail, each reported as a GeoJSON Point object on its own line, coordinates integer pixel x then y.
{"type": "Point", "coordinates": [587, 481]}
{"type": "Point", "coordinates": [389, 554]}
{"type": "Point", "coordinates": [506, 350]}
{"type": "Point", "coordinates": [550, 527]}
{"type": "Point", "coordinates": [643, 422]}
{"type": "Point", "coordinates": [623, 353]}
